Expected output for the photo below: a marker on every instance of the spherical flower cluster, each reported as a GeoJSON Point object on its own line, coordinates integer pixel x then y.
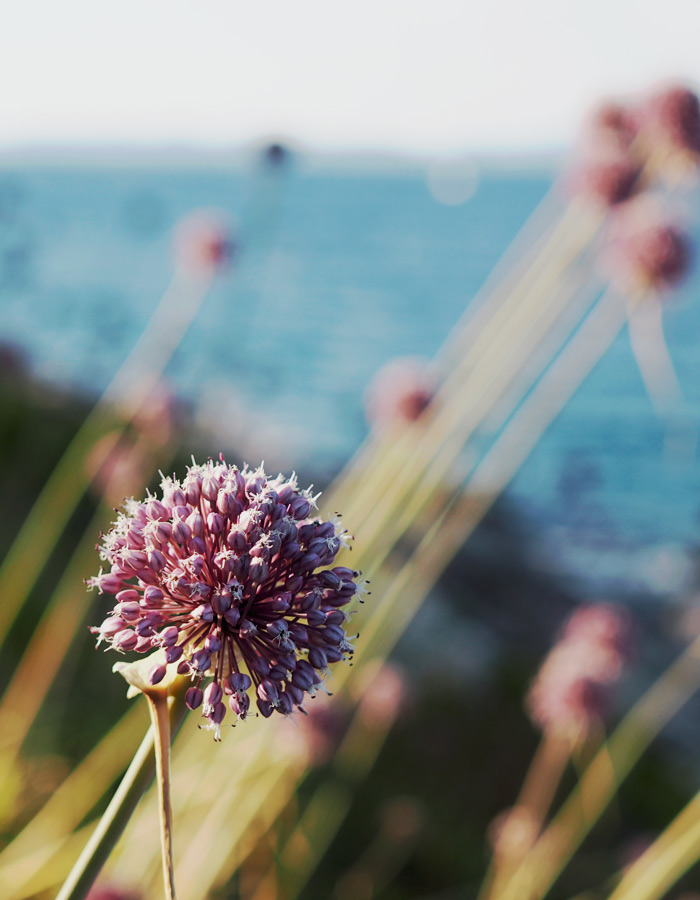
{"type": "Point", "coordinates": [572, 688]}
{"type": "Point", "coordinates": [400, 392]}
{"type": "Point", "coordinates": [231, 574]}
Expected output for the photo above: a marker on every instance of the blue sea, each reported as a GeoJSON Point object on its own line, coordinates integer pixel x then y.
{"type": "Point", "coordinates": [340, 269]}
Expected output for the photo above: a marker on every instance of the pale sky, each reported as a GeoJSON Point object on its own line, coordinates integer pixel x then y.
{"type": "Point", "coordinates": [421, 76]}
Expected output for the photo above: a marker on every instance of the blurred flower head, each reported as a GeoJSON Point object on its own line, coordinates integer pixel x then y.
{"type": "Point", "coordinates": [612, 126]}
{"type": "Point", "coordinates": [647, 252]}
{"type": "Point", "coordinates": [229, 572]}
{"type": "Point", "coordinates": [116, 466]}
{"type": "Point", "coordinates": [322, 730]}
{"type": "Point", "coordinates": [161, 415]}
{"type": "Point", "coordinates": [512, 832]}
{"type": "Point", "coordinates": [204, 241]}
{"type": "Point", "coordinates": [605, 631]}
{"type": "Point", "coordinates": [671, 119]}
{"type": "Point", "coordinates": [400, 392]}
{"type": "Point", "coordinates": [112, 892]}
{"type": "Point", "coordinates": [571, 690]}
{"type": "Point", "coordinates": [381, 694]}
{"type": "Point", "coordinates": [608, 178]}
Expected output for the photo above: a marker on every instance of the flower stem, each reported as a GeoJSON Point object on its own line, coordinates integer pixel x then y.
{"type": "Point", "coordinates": [112, 823]}
{"type": "Point", "coordinates": [160, 718]}
{"type": "Point", "coordinates": [110, 827]}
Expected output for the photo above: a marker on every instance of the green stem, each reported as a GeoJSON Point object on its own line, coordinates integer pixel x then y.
{"type": "Point", "coordinates": [112, 823]}
{"type": "Point", "coordinates": [110, 827]}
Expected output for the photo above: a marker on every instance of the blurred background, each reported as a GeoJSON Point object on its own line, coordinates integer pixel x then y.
{"type": "Point", "coordinates": [369, 166]}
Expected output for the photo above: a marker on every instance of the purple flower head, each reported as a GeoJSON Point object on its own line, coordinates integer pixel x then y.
{"type": "Point", "coordinates": [232, 575]}
{"type": "Point", "coordinates": [571, 690]}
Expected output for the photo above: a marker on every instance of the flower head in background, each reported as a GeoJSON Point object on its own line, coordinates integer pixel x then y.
{"type": "Point", "coordinates": [609, 169]}
{"type": "Point", "coordinates": [113, 892]}
{"type": "Point", "coordinates": [512, 832]}
{"type": "Point", "coordinates": [571, 690]}
{"type": "Point", "coordinates": [647, 251]}
{"type": "Point", "coordinates": [116, 466]}
{"type": "Point", "coordinates": [231, 574]}
{"type": "Point", "coordinates": [612, 126]}
{"type": "Point", "coordinates": [608, 178]}
{"type": "Point", "coordinates": [400, 392]}
{"type": "Point", "coordinates": [671, 119]}
{"type": "Point", "coordinates": [204, 241]}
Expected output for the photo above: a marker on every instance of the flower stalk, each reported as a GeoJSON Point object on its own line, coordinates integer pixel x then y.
{"type": "Point", "coordinates": [160, 719]}
{"type": "Point", "coordinates": [168, 699]}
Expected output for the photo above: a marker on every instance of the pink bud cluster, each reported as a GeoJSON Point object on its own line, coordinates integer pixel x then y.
{"type": "Point", "coordinates": [572, 688]}
{"type": "Point", "coordinates": [230, 572]}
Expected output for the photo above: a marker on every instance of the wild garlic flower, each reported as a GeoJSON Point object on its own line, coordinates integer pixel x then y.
{"type": "Point", "coordinates": [231, 574]}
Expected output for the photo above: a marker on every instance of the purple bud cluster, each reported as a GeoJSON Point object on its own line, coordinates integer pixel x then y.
{"type": "Point", "coordinates": [572, 688]}
{"type": "Point", "coordinates": [232, 575]}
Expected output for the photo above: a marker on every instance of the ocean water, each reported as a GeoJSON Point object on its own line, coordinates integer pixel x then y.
{"type": "Point", "coordinates": [339, 271]}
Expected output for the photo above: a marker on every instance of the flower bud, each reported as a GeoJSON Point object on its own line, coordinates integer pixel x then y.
{"type": "Point", "coordinates": [194, 697]}
{"type": "Point", "coordinates": [157, 674]}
